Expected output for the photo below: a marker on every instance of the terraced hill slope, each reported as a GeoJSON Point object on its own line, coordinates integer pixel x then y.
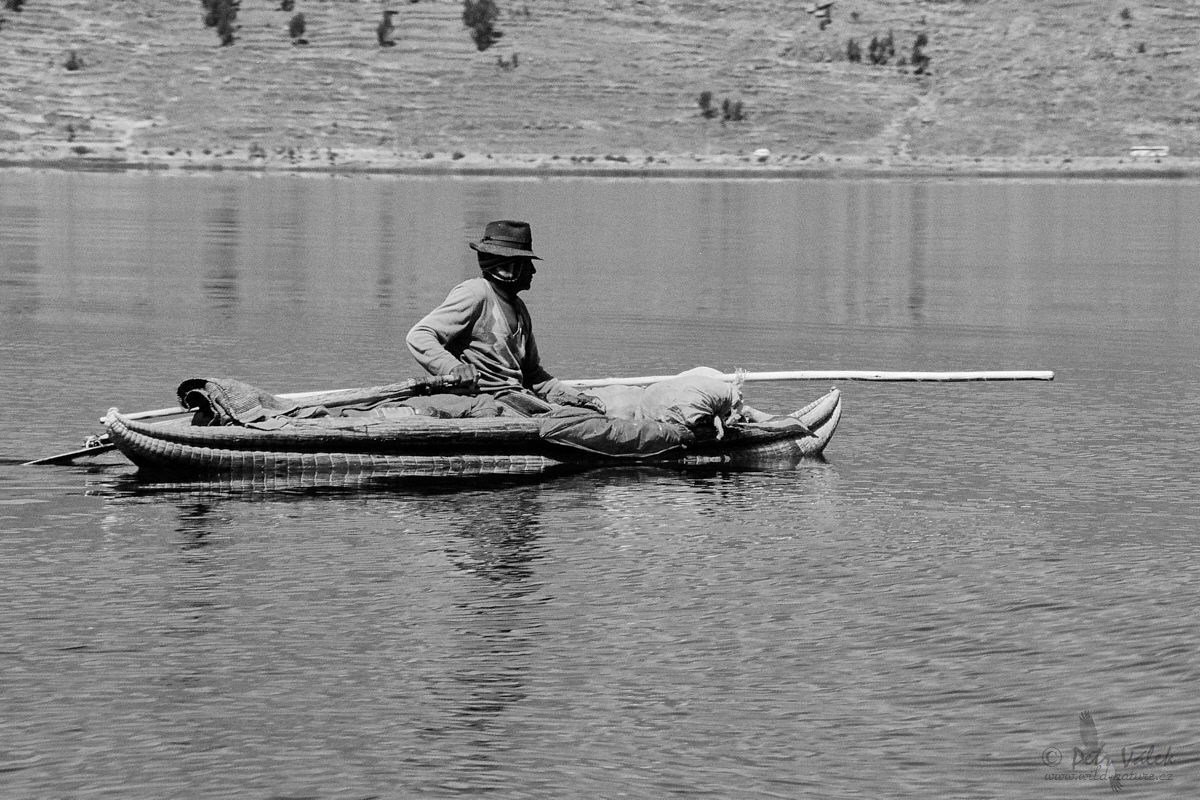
{"type": "Point", "coordinates": [1011, 79]}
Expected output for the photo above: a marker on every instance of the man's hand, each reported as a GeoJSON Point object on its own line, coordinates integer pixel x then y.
{"type": "Point", "coordinates": [462, 375]}
{"type": "Point", "coordinates": [580, 400]}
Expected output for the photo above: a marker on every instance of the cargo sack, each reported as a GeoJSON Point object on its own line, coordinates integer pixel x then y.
{"type": "Point", "coordinates": [619, 401]}
{"type": "Point", "coordinates": [609, 436]}
{"type": "Point", "coordinates": [696, 399]}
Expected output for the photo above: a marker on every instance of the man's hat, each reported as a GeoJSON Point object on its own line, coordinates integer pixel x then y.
{"type": "Point", "coordinates": [506, 238]}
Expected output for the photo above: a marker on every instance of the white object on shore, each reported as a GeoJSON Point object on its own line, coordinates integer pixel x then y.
{"type": "Point", "coordinates": [1148, 151]}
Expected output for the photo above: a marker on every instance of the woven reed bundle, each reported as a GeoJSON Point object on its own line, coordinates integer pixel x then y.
{"type": "Point", "coordinates": [151, 451]}
{"type": "Point", "coordinates": [410, 434]}
{"type": "Point", "coordinates": [165, 484]}
{"type": "Point", "coordinates": [765, 450]}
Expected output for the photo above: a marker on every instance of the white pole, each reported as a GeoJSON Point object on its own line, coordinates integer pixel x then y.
{"type": "Point", "coordinates": [795, 375]}
{"type": "Point", "coordinates": [836, 375]}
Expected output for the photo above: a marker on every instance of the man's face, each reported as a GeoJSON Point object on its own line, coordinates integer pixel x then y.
{"type": "Point", "coordinates": [515, 274]}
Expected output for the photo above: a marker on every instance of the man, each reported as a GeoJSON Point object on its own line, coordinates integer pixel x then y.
{"type": "Point", "coordinates": [482, 332]}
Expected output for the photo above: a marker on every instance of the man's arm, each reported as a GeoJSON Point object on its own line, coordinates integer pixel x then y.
{"type": "Point", "coordinates": [427, 340]}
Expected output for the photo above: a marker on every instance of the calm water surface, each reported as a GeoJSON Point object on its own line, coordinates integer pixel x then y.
{"type": "Point", "coordinates": [925, 613]}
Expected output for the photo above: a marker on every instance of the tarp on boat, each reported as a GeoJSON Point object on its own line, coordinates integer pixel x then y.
{"type": "Point", "coordinates": [610, 436]}
{"type": "Point", "coordinates": [228, 401]}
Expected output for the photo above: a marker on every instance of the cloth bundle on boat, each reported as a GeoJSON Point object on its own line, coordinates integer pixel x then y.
{"type": "Point", "coordinates": [228, 401]}
{"type": "Point", "coordinates": [651, 420]}
{"type": "Point", "coordinates": [698, 398]}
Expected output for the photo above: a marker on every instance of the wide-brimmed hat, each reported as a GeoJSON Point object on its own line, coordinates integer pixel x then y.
{"type": "Point", "coordinates": [506, 238]}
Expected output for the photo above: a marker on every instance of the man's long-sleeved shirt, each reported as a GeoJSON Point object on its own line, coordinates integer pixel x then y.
{"type": "Point", "coordinates": [488, 329]}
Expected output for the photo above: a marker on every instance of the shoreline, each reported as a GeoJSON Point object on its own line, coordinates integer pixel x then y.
{"type": "Point", "coordinates": [346, 162]}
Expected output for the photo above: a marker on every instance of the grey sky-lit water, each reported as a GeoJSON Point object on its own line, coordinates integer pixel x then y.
{"type": "Point", "coordinates": [924, 613]}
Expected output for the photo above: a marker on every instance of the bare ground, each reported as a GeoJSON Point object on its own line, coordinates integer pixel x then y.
{"type": "Point", "coordinates": [608, 86]}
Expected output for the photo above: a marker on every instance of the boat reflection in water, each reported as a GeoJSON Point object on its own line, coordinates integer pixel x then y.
{"type": "Point", "coordinates": [103, 483]}
{"type": "Point", "coordinates": [475, 594]}
{"type": "Point", "coordinates": [495, 647]}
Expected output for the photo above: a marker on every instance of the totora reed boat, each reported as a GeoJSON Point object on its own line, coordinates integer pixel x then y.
{"type": "Point", "coordinates": [430, 446]}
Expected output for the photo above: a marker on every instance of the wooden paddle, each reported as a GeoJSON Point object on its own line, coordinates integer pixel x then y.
{"type": "Point", "coordinates": [95, 446]}
{"type": "Point", "coordinates": [101, 444]}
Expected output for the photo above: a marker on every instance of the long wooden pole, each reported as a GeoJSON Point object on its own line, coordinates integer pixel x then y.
{"type": "Point", "coordinates": [794, 375]}
{"type": "Point", "coordinates": [836, 375]}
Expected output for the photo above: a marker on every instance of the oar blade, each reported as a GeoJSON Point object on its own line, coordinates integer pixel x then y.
{"type": "Point", "coordinates": [68, 458]}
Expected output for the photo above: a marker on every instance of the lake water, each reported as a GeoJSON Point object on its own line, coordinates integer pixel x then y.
{"type": "Point", "coordinates": [925, 612]}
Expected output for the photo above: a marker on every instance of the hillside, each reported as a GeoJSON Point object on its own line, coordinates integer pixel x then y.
{"type": "Point", "coordinates": [609, 82]}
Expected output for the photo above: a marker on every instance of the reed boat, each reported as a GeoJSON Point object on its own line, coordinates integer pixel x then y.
{"type": "Point", "coordinates": [427, 446]}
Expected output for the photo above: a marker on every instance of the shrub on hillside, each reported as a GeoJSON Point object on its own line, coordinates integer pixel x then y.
{"type": "Point", "coordinates": [882, 50]}
{"type": "Point", "coordinates": [225, 30]}
{"type": "Point", "coordinates": [480, 17]}
{"type": "Point", "coordinates": [296, 29]}
{"type": "Point", "coordinates": [731, 111]}
{"type": "Point", "coordinates": [222, 15]}
{"type": "Point", "coordinates": [919, 60]}
{"type": "Point", "coordinates": [383, 32]}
